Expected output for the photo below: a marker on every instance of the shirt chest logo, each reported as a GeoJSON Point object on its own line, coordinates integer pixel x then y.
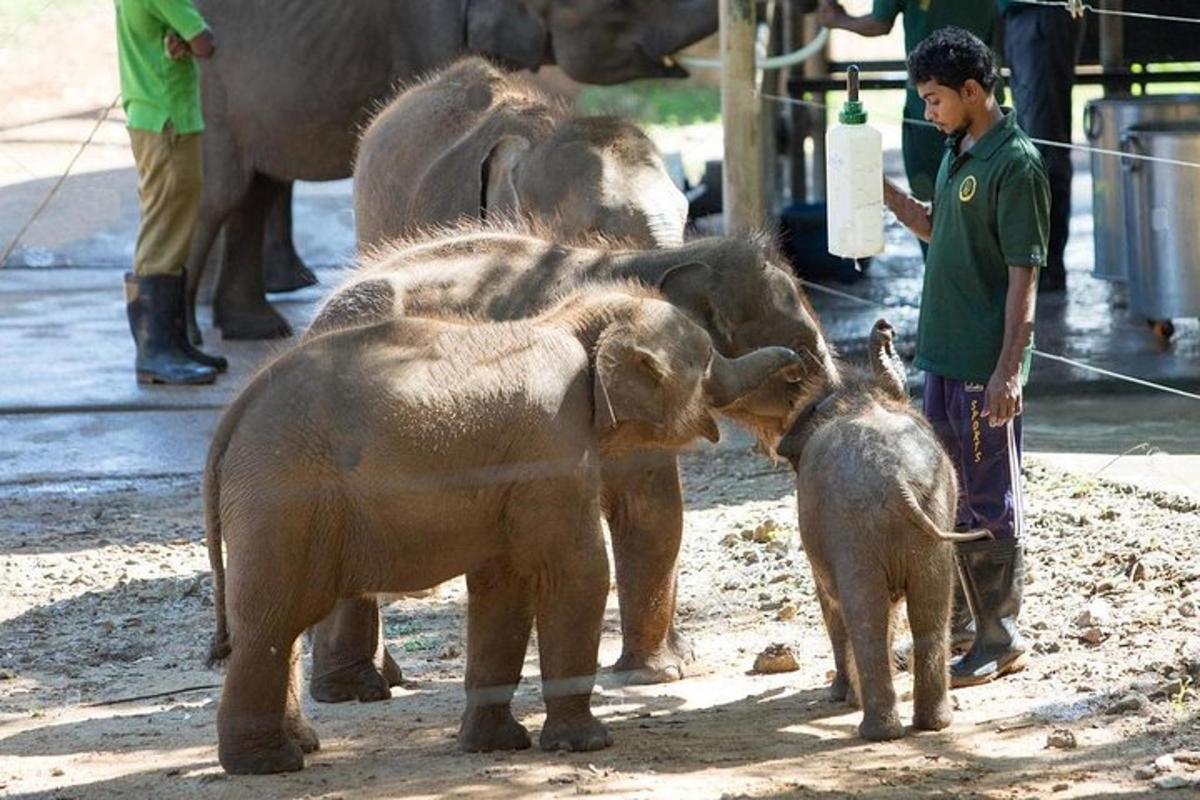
{"type": "Point", "coordinates": [966, 189]}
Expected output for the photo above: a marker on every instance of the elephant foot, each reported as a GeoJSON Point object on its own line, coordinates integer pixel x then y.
{"type": "Point", "coordinates": [933, 719]}
{"type": "Point", "coordinates": [304, 735]}
{"type": "Point", "coordinates": [839, 690]}
{"type": "Point", "coordinates": [665, 665]}
{"type": "Point", "coordinates": [391, 670]}
{"type": "Point", "coordinates": [286, 756]}
{"type": "Point", "coordinates": [360, 681]}
{"type": "Point", "coordinates": [262, 322]}
{"type": "Point", "coordinates": [579, 734]}
{"type": "Point", "coordinates": [492, 728]}
{"type": "Point", "coordinates": [875, 728]}
{"type": "Point", "coordinates": [287, 275]}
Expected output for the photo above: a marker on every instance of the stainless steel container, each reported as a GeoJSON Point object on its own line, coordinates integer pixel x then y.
{"type": "Point", "coordinates": [1162, 213]}
{"type": "Point", "coordinates": [1104, 120]}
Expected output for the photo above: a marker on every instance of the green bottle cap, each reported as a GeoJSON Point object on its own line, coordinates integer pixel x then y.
{"type": "Point", "coordinates": [852, 112]}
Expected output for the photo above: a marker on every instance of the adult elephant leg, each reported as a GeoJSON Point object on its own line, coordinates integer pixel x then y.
{"type": "Point", "coordinates": [240, 307]}
{"type": "Point", "coordinates": [499, 618]}
{"type": "Point", "coordinates": [645, 517]}
{"type": "Point", "coordinates": [346, 657]}
{"type": "Point", "coordinates": [283, 271]}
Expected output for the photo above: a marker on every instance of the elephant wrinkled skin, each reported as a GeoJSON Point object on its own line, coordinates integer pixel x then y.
{"type": "Point", "coordinates": [732, 287]}
{"type": "Point", "coordinates": [472, 142]}
{"type": "Point", "coordinates": [293, 82]}
{"type": "Point", "coordinates": [394, 456]}
{"type": "Point", "coordinates": [876, 503]}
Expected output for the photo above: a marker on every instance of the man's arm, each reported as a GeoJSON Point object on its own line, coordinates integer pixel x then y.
{"type": "Point", "coordinates": [185, 20]}
{"type": "Point", "coordinates": [912, 213]}
{"type": "Point", "coordinates": [831, 14]}
{"type": "Point", "coordinates": [1002, 398]}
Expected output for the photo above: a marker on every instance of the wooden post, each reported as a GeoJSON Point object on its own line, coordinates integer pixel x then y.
{"type": "Point", "coordinates": [799, 133]}
{"type": "Point", "coordinates": [1112, 46]}
{"type": "Point", "coordinates": [742, 178]}
{"type": "Point", "coordinates": [817, 66]}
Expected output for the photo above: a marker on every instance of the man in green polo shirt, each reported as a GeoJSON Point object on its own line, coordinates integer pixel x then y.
{"type": "Point", "coordinates": [987, 229]}
{"type": "Point", "coordinates": [160, 90]}
{"type": "Point", "coordinates": [921, 144]}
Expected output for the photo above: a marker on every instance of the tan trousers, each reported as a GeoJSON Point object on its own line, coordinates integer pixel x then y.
{"type": "Point", "coordinates": [169, 182]}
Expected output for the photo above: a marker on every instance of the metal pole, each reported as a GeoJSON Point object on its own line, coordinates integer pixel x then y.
{"type": "Point", "coordinates": [1112, 46]}
{"type": "Point", "coordinates": [742, 172]}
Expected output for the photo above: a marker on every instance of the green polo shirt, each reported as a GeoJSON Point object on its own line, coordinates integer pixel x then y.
{"type": "Point", "coordinates": [991, 211]}
{"type": "Point", "coordinates": [923, 17]}
{"type": "Point", "coordinates": [155, 89]}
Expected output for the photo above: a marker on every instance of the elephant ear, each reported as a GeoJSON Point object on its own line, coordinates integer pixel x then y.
{"type": "Point", "coordinates": [627, 383]}
{"type": "Point", "coordinates": [508, 31]}
{"type": "Point", "coordinates": [691, 286]}
{"type": "Point", "coordinates": [474, 178]}
{"type": "Point", "coordinates": [889, 371]}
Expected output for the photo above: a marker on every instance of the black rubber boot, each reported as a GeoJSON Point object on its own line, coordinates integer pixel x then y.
{"type": "Point", "coordinates": [993, 579]}
{"type": "Point", "coordinates": [154, 305]}
{"type": "Point", "coordinates": [962, 631]}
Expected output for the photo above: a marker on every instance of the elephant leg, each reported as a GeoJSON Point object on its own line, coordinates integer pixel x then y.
{"type": "Point", "coordinates": [929, 618]}
{"type": "Point", "coordinates": [835, 626]}
{"type": "Point", "coordinates": [570, 595]}
{"type": "Point", "coordinates": [645, 517]}
{"type": "Point", "coordinates": [346, 647]}
{"type": "Point", "coordinates": [240, 307]}
{"type": "Point", "coordinates": [499, 618]}
{"type": "Point", "coordinates": [298, 728]}
{"type": "Point", "coordinates": [867, 611]}
{"type": "Point", "coordinates": [283, 271]}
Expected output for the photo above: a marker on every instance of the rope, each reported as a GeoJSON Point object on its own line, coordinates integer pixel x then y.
{"type": "Point", "coordinates": [1074, 7]}
{"type": "Point", "coordinates": [57, 184]}
{"type": "Point", "coordinates": [1049, 356]}
{"type": "Point", "coordinates": [201, 688]}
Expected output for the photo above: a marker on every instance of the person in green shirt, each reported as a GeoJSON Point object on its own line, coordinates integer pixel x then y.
{"type": "Point", "coordinates": [987, 230]}
{"type": "Point", "coordinates": [922, 145]}
{"type": "Point", "coordinates": [157, 42]}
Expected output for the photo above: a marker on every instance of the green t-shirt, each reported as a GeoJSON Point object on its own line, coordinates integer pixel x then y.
{"type": "Point", "coordinates": [155, 89]}
{"type": "Point", "coordinates": [991, 211]}
{"type": "Point", "coordinates": [923, 17]}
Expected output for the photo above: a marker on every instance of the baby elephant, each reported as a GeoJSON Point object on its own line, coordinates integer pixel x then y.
{"type": "Point", "coordinates": [394, 456]}
{"type": "Point", "coordinates": [876, 497]}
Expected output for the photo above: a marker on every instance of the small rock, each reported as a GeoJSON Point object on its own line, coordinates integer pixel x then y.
{"type": "Point", "coordinates": [730, 586]}
{"type": "Point", "coordinates": [1130, 703]}
{"type": "Point", "coordinates": [786, 613]}
{"type": "Point", "coordinates": [451, 651]}
{"type": "Point", "coordinates": [1045, 648]}
{"type": "Point", "coordinates": [776, 658]}
{"type": "Point", "coordinates": [7, 675]}
{"type": "Point", "coordinates": [1187, 609]}
{"type": "Point", "coordinates": [1098, 614]}
{"type": "Point", "coordinates": [1061, 739]}
{"type": "Point", "coordinates": [1173, 782]}
{"type": "Point", "coordinates": [1060, 787]}
{"type": "Point", "coordinates": [57, 772]}
{"type": "Point", "coordinates": [1092, 636]}
{"type": "Point", "coordinates": [1189, 757]}
{"type": "Point", "coordinates": [730, 539]}
{"type": "Point", "coordinates": [1145, 772]}
{"type": "Point", "coordinates": [750, 558]}
{"type": "Point", "coordinates": [1164, 763]}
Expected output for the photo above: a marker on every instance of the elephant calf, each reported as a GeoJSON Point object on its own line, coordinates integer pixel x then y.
{"type": "Point", "coordinates": [877, 496]}
{"type": "Point", "coordinates": [394, 456]}
{"type": "Point", "coordinates": [473, 142]}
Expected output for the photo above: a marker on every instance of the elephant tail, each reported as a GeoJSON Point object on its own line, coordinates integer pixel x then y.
{"type": "Point", "coordinates": [221, 646]}
{"type": "Point", "coordinates": [908, 507]}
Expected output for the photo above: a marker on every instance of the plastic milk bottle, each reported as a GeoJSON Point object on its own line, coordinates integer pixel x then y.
{"type": "Point", "coordinates": [854, 180]}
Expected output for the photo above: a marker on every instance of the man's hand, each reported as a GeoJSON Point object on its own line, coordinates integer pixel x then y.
{"type": "Point", "coordinates": [830, 14]}
{"type": "Point", "coordinates": [1002, 399]}
{"type": "Point", "coordinates": [177, 49]}
{"type": "Point", "coordinates": [912, 213]}
{"type": "Point", "coordinates": [202, 44]}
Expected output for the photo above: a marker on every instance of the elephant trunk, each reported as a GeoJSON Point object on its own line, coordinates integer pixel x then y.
{"type": "Point", "coordinates": [729, 380]}
{"type": "Point", "coordinates": [885, 364]}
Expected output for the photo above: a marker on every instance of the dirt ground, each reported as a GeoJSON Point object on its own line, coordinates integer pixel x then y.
{"type": "Point", "coordinates": [107, 596]}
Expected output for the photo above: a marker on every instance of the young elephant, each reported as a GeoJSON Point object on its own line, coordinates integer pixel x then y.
{"type": "Point", "coordinates": [394, 456]}
{"type": "Point", "coordinates": [732, 286]}
{"type": "Point", "coordinates": [474, 142]}
{"type": "Point", "coordinates": [875, 504]}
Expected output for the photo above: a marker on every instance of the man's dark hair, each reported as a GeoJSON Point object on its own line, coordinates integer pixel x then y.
{"type": "Point", "coordinates": [952, 56]}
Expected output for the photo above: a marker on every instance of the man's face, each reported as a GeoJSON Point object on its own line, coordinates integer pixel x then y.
{"type": "Point", "coordinates": [945, 107]}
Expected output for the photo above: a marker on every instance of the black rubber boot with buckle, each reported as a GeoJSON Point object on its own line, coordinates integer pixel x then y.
{"type": "Point", "coordinates": [993, 578]}
{"type": "Point", "coordinates": [154, 305]}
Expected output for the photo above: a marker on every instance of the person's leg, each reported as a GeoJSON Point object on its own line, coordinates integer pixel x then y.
{"type": "Point", "coordinates": [992, 571]}
{"type": "Point", "coordinates": [1041, 46]}
{"type": "Point", "coordinates": [168, 194]}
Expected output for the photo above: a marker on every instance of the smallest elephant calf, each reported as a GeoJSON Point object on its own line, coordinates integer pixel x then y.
{"type": "Point", "coordinates": [876, 495]}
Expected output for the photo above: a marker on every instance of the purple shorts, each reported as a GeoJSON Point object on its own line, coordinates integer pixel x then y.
{"type": "Point", "coordinates": [988, 460]}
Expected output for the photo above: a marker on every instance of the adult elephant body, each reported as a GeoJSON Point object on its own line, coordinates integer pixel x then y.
{"type": "Point", "coordinates": [294, 81]}
{"type": "Point", "coordinates": [474, 142]}
{"type": "Point", "coordinates": [730, 286]}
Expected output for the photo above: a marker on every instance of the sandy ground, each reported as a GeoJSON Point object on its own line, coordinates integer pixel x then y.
{"type": "Point", "coordinates": [108, 597]}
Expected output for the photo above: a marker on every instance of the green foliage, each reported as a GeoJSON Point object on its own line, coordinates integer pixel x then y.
{"type": "Point", "coordinates": [654, 102]}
